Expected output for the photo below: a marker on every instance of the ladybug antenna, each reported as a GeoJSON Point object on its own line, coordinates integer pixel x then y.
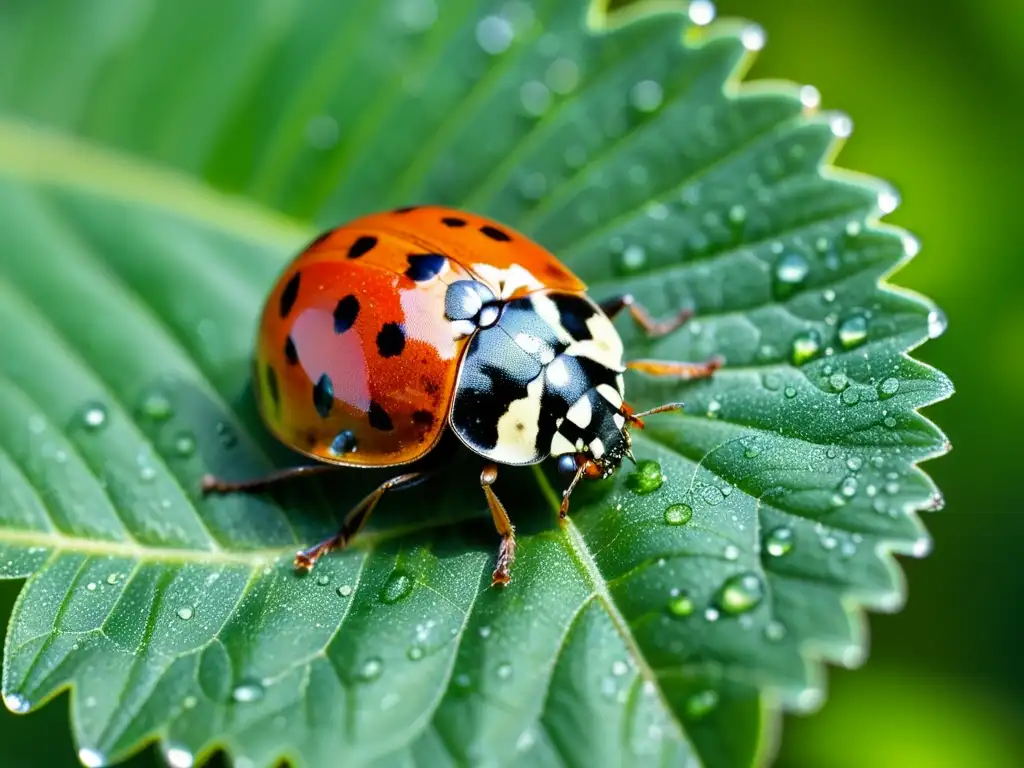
{"type": "Point", "coordinates": [667, 407]}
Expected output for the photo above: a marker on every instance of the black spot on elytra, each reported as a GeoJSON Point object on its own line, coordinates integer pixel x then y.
{"type": "Point", "coordinates": [290, 294]}
{"type": "Point", "coordinates": [291, 354]}
{"type": "Point", "coordinates": [379, 418]}
{"type": "Point", "coordinates": [345, 313]}
{"type": "Point", "coordinates": [423, 418]}
{"type": "Point", "coordinates": [390, 340]}
{"type": "Point", "coordinates": [573, 313]}
{"type": "Point", "coordinates": [424, 266]}
{"type": "Point", "coordinates": [272, 386]}
{"type": "Point", "coordinates": [323, 395]}
{"type": "Point", "coordinates": [453, 221]}
{"type": "Point", "coordinates": [362, 246]}
{"type": "Point", "coordinates": [495, 234]}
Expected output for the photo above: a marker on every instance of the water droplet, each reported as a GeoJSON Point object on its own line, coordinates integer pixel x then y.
{"type": "Point", "coordinates": [633, 258]}
{"type": "Point", "coordinates": [713, 408]}
{"type": "Point", "coordinates": [806, 346]}
{"type": "Point", "coordinates": [740, 593]}
{"type": "Point", "coordinates": [790, 392]}
{"type": "Point", "coordinates": [535, 97]}
{"type": "Point", "coordinates": [711, 614]}
{"type": "Point", "coordinates": [774, 631]}
{"type": "Point", "coordinates": [248, 692]}
{"type": "Point", "coordinates": [701, 12]}
{"type": "Point", "coordinates": [889, 422]}
{"type": "Point", "coordinates": [853, 330]}
{"type": "Point", "coordinates": [922, 547]}
{"type": "Point", "coordinates": [751, 448]}
{"type": "Point", "coordinates": [828, 296]}
{"type": "Point", "coordinates": [397, 587]}
{"type": "Point", "coordinates": [678, 514]}
{"type": "Point", "coordinates": [810, 97]}
{"type": "Point", "coordinates": [737, 214]}
{"type": "Point", "coordinates": [731, 552]}
{"type": "Point", "coordinates": [753, 37]}
{"type": "Point", "coordinates": [494, 34]}
{"type": "Point", "coordinates": [90, 758]}
{"type": "Point", "coordinates": [779, 541]}
{"type": "Point", "coordinates": [701, 704]}
{"type": "Point", "coordinates": [371, 669]}
{"type": "Point", "coordinates": [147, 473]}
{"type": "Point", "coordinates": [415, 653]}
{"type": "Point", "coordinates": [828, 543]}
{"type": "Point", "coordinates": [937, 323]}
{"type": "Point", "coordinates": [657, 211]}
{"type": "Point", "coordinates": [91, 586]}
{"type": "Point", "coordinates": [848, 487]}
{"type": "Point", "coordinates": [790, 271]}
{"type": "Point", "coordinates": [179, 757]}
{"type": "Point", "coordinates": [323, 579]}
{"type": "Point", "coordinates": [344, 590]}
{"type": "Point", "coordinates": [562, 76]}
{"type": "Point", "coordinates": [112, 578]}
{"type": "Point", "coordinates": [681, 605]}
{"type": "Point", "coordinates": [838, 381]}
{"type": "Point", "coordinates": [16, 703]}
{"type": "Point", "coordinates": [888, 200]}
{"type": "Point", "coordinates": [156, 406]}
{"type": "Point", "coordinates": [533, 185]}
{"type": "Point", "coordinates": [888, 387]}
{"type": "Point", "coordinates": [854, 463]}
{"type": "Point", "coordinates": [911, 245]}
{"type": "Point", "coordinates": [184, 444]}
{"type": "Point", "coordinates": [94, 416]}
{"type": "Point", "coordinates": [850, 397]}
{"type": "Point", "coordinates": [647, 478]}
{"type": "Point", "coordinates": [646, 95]}
{"type": "Point", "coordinates": [840, 124]}
{"type": "Point", "coordinates": [416, 15]}
{"type": "Point", "coordinates": [619, 668]}
{"type": "Point", "coordinates": [190, 702]}
{"type": "Point", "coordinates": [892, 487]}
{"type": "Point", "coordinates": [504, 670]}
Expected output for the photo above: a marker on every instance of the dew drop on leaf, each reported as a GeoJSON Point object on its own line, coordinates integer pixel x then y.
{"type": "Point", "coordinates": [848, 487]}
{"type": "Point", "coordinates": [94, 416]}
{"type": "Point", "coordinates": [248, 692]}
{"type": "Point", "coordinates": [646, 95]}
{"type": "Point", "coordinates": [779, 541]}
{"type": "Point", "coordinates": [633, 258]}
{"type": "Point", "coordinates": [323, 579]}
{"type": "Point", "coordinates": [344, 590]}
{"type": "Point", "coordinates": [647, 478]}
{"type": "Point", "coordinates": [789, 273]}
{"type": "Point", "coordinates": [184, 444]}
{"type": "Point", "coordinates": [740, 593]}
{"type": "Point", "coordinates": [731, 552]}
{"type": "Point", "coordinates": [850, 397]}
{"type": "Point", "coordinates": [371, 669]}
{"type": "Point", "coordinates": [156, 406]}
{"type": "Point", "coordinates": [805, 346]}
{"type": "Point", "coordinates": [90, 758]}
{"type": "Point", "coordinates": [619, 668]}
{"type": "Point", "coordinates": [16, 703]}
{"type": "Point", "coordinates": [711, 614]}
{"type": "Point", "coordinates": [774, 631]}
{"type": "Point", "coordinates": [504, 670]}
{"type": "Point", "coordinates": [701, 12]}
{"type": "Point", "coordinates": [854, 463]}
{"type": "Point", "coordinates": [681, 605]}
{"type": "Point", "coordinates": [678, 514]}
{"type": "Point", "coordinates": [397, 587]}
{"type": "Point", "coordinates": [936, 323]}
{"type": "Point", "coordinates": [535, 97]}
{"type": "Point", "coordinates": [562, 76]}
{"type": "Point", "coordinates": [852, 331]}
{"type": "Point", "coordinates": [415, 652]}
{"type": "Point", "coordinates": [112, 579]}
{"type": "Point", "coordinates": [889, 387]}
{"type": "Point", "coordinates": [790, 392]}
{"type": "Point", "coordinates": [185, 613]}
{"type": "Point", "coordinates": [701, 704]}
{"type": "Point", "coordinates": [494, 34]}
{"type": "Point", "coordinates": [179, 757]}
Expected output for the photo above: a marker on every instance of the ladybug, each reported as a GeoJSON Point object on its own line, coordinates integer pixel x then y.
{"type": "Point", "coordinates": [392, 331]}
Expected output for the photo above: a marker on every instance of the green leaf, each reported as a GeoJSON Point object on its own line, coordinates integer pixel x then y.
{"type": "Point", "coordinates": [160, 163]}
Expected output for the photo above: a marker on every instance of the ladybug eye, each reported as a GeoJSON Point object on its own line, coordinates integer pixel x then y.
{"type": "Point", "coordinates": [567, 464]}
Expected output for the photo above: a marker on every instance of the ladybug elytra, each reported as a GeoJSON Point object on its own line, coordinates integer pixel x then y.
{"type": "Point", "coordinates": [390, 331]}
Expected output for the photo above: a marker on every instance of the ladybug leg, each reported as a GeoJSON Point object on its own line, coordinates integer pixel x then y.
{"type": "Point", "coordinates": [211, 484]}
{"type": "Point", "coordinates": [653, 328]}
{"type": "Point", "coordinates": [507, 531]}
{"type": "Point", "coordinates": [684, 371]}
{"type": "Point", "coordinates": [354, 520]}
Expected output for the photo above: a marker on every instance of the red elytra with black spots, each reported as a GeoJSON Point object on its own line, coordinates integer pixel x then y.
{"type": "Point", "coordinates": [356, 361]}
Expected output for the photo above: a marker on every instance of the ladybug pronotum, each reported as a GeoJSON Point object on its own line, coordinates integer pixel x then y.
{"type": "Point", "coordinates": [390, 331]}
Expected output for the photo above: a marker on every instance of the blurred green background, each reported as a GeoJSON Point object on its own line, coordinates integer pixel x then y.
{"type": "Point", "coordinates": [932, 90]}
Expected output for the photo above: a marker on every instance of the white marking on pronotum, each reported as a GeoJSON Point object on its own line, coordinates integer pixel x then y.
{"type": "Point", "coordinates": [580, 413]}
{"type": "Point", "coordinates": [597, 448]}
{"type": "Point", "coordinates": [560, 445]}
{"type": "Point", "coordinates": [619, 419]}
{"type": "Point", "coordinates": [610, 394]}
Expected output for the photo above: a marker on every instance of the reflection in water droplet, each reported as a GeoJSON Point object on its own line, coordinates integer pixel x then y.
{"type": "Point", "coordinates": [344, 590]}
{"type": "Point", "coordinates": [740, 593]}
{"type": "Point", "coordinates": [646, 95]}
{"type": "Point", "coordinates": [179, 757]}
{"type": "Point", "coordinates": [790, 271]}
{"type": "Point", "coordinates": [94, 416]}
{"type": "Point", "coordinates": [647, 478]}
{"type": "Point", "coordinates": [700, 704]}
{"type": "Point", "coordinates": [937, 323]}
{"type": "Point", "coordinates": [185, 613]}
{"type": "Point", "coordinates": [248, 692]}
{"type": "Point", "coordinates": [806, 346]}
{"type": "Point", "coordinates": [678, 514]}
{"type": "Point", "coordinates": [779, 541]}
{"type": "Point", "coordinates": [371, 670]}
{"type": "Point", "coordinates": [701, 12]}
{"type": "Point", "coordinates": [494, 34]}
{"type": "Point", "coordinates": [853, 330]}
{"type": "Point", "coordinates": [397, 587]}
{"type": "Point", "coordinates": [681, 605]}
{"type": "Point", "coordinates": [156, 406]}
{"type": "Point", "coordinates": [90, 758]}
{"type": "Point", "coordinates": [16, 703]}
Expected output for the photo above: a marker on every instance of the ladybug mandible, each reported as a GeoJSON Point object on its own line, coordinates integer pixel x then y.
{"type": "Point", "coordinates": [388, 331]}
